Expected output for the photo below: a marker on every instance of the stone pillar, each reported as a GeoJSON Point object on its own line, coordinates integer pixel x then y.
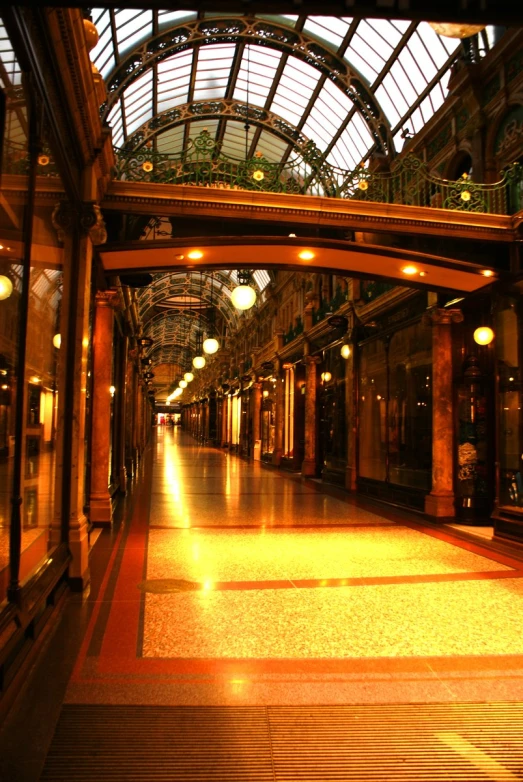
{"type": "Point", "coordinates": [351, 384]}
{"type": "Point", "coordinates": [100, 499]}
{"type": "Point", "coordinates": [79, 232]}
{"type": "Point", "coordinates": [256, 413]}
{"type": "Point", "coordinates": [121, 412]}
{"type": "Point", "coordinates": [309, 466]}
{"type": "Point", "coordinates": [278, 416]}
{"type": "Point", "coordinates": [440, 502]}
{"type": "Point", "coordinates": [224, 421]}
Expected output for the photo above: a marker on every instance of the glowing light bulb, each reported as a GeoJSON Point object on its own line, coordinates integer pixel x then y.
{"type": "Point", "coordinates": [198, 362]}
{"type": "Point", "coordinates": [189, 377]}
{"type": "Point", "coordinates": [243, 297]}
{"type": "Point", "coordinates": [211, 345]}
{"type": "Point", "coordinates": [345, 351]}
{"type": "Point", "coordinates": [183, 384]}
{"type": "Point", "coordinates": [484, 335]}
{"type": "Point", "coordinates": [6, 287]}
{"type": "Point", "coordinates": [57, 340]}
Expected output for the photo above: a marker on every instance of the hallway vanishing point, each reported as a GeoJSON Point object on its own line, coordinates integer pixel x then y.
{"type": "Point", "coordinates": [244, 624]}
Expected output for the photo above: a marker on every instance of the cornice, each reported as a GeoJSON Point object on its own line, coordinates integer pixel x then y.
{"type": "Point", "coordinates": [184, 200]}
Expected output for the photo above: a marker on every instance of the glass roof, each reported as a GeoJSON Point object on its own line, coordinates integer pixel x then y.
{"type": "Point", "coordinates": [398, 68]}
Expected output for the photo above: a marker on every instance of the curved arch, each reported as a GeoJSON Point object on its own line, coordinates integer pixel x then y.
{"type": "Point", "coordinates": [226, 108]}
{"type": "Point", "coordinates": [251, 30]}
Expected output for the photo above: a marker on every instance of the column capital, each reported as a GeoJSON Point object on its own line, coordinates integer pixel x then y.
{"type": "Point", "coordinates": [312, 360]}
{"type": "Point", "coordinates": [109, 298]}
{"type": "Point", "coordinates": [87, 218]}
{"type": "Point", "coordinates": [440, 316]}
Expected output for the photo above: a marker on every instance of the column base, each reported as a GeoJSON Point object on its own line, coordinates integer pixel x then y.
{"type": "Point", "coordinates": [440, 505]}
{"type": "Point", "coordinates": [276, 457]}
{"type": "Point", "coordinates": [351, 476]}
{"type": "Point", "coordinates": [308, 468]}
{"type": "Point", "coordinates": [79, 575]}
{"type": "Point", "coordinates": [100, 510]}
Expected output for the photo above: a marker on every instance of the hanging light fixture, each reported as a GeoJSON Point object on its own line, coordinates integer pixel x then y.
{"type": "Point", "coordinates": [6, 287]}
{"type": "Point", "coordinates": [211, 344]}
{"type": "Point", "coordinates": [188, 377]}
{"type": "Point", "coordinates": [183, 383]}
{"type": "Point", "coordinates": [198, 361]}
{"type": "Point", "coordinates": [244, 295]}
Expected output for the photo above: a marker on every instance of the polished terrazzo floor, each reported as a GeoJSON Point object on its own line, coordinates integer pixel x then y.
{"type": "Point", "coordinates": [231, 583]}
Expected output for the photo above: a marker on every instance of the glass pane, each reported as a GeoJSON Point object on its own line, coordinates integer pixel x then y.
{"type": "Point", "coordinates": [509, 400]}
{"type": "Point", "coordinates": [14, 161]}
{"type": "Point", "coordinates": [372, 394]}
{"type": "Point", "coordinates": [43, 359]}
{"type": "Point", "coordinates": [410, 407]}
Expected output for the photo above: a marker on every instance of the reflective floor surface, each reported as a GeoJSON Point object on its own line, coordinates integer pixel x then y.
{"type": "Point", "coordinates": [228, 584]}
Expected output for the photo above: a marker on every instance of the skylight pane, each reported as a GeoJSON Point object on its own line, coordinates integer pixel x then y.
{"type": "Point", "coordinates": [173, 80]}
{"type": "Point", "coordinates": [327, 28]}
{"type": "Point", "coordinates": [439, 47]}
{"type": "Point", "coordinates": [213, 70]}
{"type": "Point", "coordinates": [170, 142]}
{"type": "Point", "coordinates": [391, 32]}
{"type": "Point", "coordinates": [262, 278]}
{"type": "Point", "coordinates": [395, 93]}
{"type": "Point", "coordinates": [271, 146]}
{"type": "Point", "coordinates": [295, 90]}
{"type": "Point", "coordinates": [261, 68]}
{"type": "Point", "coordinates": [132, 27]}
{"type": "Point", "coordinates": [388, 105]}
{"type": "Point", "coordinates": [234, 140]}
{"type": "Point", "coordinates": [175, 18]}
{"type": "Point", "coordinates": [103, 53]}
{"type": "Point", "coordinates": [398, 75]}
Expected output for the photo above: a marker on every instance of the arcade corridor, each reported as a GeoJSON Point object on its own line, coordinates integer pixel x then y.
{"type": "Point", "coordinates": [241, 621]}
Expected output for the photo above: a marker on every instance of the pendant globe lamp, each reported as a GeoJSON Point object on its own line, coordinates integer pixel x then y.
{"type": "Point", "coordinates": [198, 361]}
{"type": "Point", "coordinates": [188, 377]}
{"type": "Point", "coordinates": [244, 295]}
{"type": "Point", "coordinates": [211, 344]}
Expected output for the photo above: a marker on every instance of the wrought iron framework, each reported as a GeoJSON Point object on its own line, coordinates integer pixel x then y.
{"type": "Point", "coordinates": [409, 182]}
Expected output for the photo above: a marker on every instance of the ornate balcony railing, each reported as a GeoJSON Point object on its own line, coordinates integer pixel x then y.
{"type": "Point", "coordinates": [409, 181]}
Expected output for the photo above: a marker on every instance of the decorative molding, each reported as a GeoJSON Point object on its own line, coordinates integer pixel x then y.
{"type": "Point", "coordinates": [88, 220]}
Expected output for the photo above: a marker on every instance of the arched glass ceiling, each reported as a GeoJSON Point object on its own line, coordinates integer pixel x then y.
{"type": "Point", "coordinates": [403, 65]}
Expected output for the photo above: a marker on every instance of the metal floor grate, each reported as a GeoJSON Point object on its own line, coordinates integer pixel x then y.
{"type": "Point", "coordinates": [414, 743]}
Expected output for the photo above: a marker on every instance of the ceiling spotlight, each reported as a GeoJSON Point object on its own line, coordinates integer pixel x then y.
{"type": "Point", "coordinates": [195, 255]}
{"type": "Point", "coordinates": [211, 345]}
{"type": "Point", "coordinates": [409, 270]}
{"type": "Point", "coordinates": [189, 377]}
{"type": "Point", "coordinates": [306, 255]}
{"type": "Point", "coordinates": [487, 272]}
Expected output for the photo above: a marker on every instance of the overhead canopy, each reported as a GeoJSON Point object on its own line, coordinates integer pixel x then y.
{"type": "Point", "coordinates": [349, 85]}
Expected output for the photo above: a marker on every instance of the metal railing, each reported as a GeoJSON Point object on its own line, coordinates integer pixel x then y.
{"type": "Point", "coordinates": [409, 182]}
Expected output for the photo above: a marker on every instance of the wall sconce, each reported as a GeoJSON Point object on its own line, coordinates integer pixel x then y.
{"type": "Point", "coordinates": [112, 390]}
{"type": "Point", "coordinates": [483, 335]}
{"type": "Point", "coordinates": [345, 351]}
{"type": "Point", "coordinates": [57, 340]}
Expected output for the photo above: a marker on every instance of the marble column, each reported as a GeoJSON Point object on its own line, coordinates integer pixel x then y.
{"type": "Point", "coordinates": [309, 466]}
{"type": "Point", "coordinates": [351, 381]}
{"type": "Point", "coordinates": [440, 501]}
{"type": "Point", "coordinates": [73, 368]}
{"type": "Point", "coordinates": [100, 499]}
{"type": "Point", "coordinates": [278, 417]}
{"type": "Point", "coordinates": [256, 414]}
{"type": "Point", "coordinates": [224, 421]}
